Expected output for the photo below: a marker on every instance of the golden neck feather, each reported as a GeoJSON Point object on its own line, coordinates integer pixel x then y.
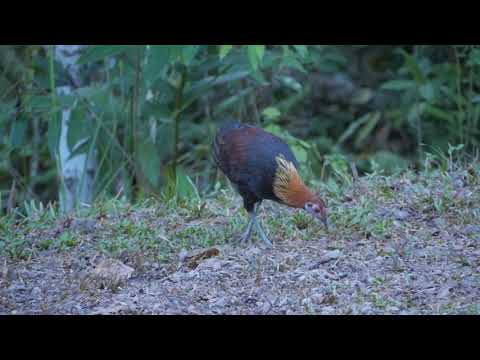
{"type": "Point", "coordinates": [288, 186]}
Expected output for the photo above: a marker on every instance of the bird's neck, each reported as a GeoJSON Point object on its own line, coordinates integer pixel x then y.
{"type": "Point", "coordinates": [289, 187]}
{"type": "Point", "coordinates": [296, 194]}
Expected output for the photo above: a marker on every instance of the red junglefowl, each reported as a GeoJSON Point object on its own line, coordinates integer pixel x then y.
{"type": "Point", "coordinates": [261, 167]}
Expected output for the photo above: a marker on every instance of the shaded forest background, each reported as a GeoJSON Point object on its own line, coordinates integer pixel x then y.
{"type": "Point", "coordinates": [140, 119]}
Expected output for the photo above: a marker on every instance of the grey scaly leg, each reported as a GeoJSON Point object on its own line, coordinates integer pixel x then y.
{"type": "Point", "coordinates": [263, 236]}
{"type": "Point", "coordinates": [253, 221]}
{"type": "Point", "coordinates": [248, 232]}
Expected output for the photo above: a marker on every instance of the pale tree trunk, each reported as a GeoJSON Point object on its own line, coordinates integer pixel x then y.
{"type": "Point", "coordinates": [77, 172]}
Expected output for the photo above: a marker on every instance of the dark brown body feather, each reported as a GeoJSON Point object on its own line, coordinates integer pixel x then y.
{"type": "Point", "coordinates": [247, 156]}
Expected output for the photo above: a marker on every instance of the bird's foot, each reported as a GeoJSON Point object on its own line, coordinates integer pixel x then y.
{"type": "Point", "coordinates": [242, 240]}
{"type": "Point", "coordinates": [263, 236]}
{"type": "Point", "coordinates": [245, 238]}
{"type": "Point", "coordinates": [266, 240]}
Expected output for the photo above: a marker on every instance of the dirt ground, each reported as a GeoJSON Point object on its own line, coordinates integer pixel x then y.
{"type": "Point", "coordinates": [424, 261]}
{"type": "Point", "coordinates": [292, 278]}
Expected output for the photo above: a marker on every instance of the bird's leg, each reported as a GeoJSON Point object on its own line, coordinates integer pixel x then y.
{"type": "Point", "coordinates": [263, 236]}
{"type": "Point", "coordinates": [248, 232]}
{"type": "Point", "coordinates": [254, 221]}
{"type": "Point", "coordinates": [252, 213]}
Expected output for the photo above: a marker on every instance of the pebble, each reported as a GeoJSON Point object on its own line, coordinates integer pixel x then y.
{"type": "Point", "coordinates": [439, 223]}
{"type": "Point", "coordinates": [317, 298]}
{"type": "Point", "coordinates": [266, 307]}
{"type": "Point", "coordinates": [333, 254]}
{"type": "Point", "coordinates": [213, 264]}
{"type": "Point", "coordinates": [401, 215]}
{"type": "Point", "coordinates": [366, 309]}
{"type": "Point", "coordinates": [84, 225]}
{"type": "Point", "coordinates": [392, 309]}
{"type": "Point", "coordinates": [36, 291]}
{"type": "Point", "coordinates": [218, 302]}
{"type": "Point", "coordinates": [471, 229]}
{"type": "Point", "coordinates": [327, 310]}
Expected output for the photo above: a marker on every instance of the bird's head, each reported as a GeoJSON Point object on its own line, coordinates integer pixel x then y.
{"type": "Point", "coordinates": [290, 189]}
{"type": "Point", "coordinates": [316, 207]}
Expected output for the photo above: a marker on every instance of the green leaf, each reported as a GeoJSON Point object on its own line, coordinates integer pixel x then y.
{"type": "Point", "coordinates": [362, 96]}
{"type": "Point", "coordinates": [439, 113]}
{"type": "Point", "coordinates": [54, 127]}
{"type": "Point", "coordinates": [79, 127]}
{"type": "Point", "coordinates": [427, 91]}
{"type": "Point", "coordinates": [271, 113]}
{"type": "Point", "coordinates": [373, 119]}
{"type": "Point", "coordinates": [260, 50]}
{"type": "Point", "coordinates": [39, 103]}
{"type": "Point", "coordinates": [176, 52]}
{"type": "Point", "coordinates": [87, 92]}
{"type": "Point", "coordinates": [188, 53]}
{"type": "Point", "coordinates": [416, 111]}
{"type": "Point", "coordinates": [399, 85]}
{"type": "Point", "coordinates": [286, 136]}
{"type": "Point", "coordinates": [413, 67]}
{"type": "Point", "coordinates": [474, 58]}
{"type": "Point", "coordinates": [353, 127]}
{"type": "Point", "coordinates": [302, 50]}
{"type": "Point", "coordinates": [100, 52]}
{"type": "Point", "coordinates": [291, 83]}
{"type": "Point", "coordinates": [258, 76]}
{"type": "Point", "coordinates": [231, 101]}
{"type": "Point", "coordinates": [276, 130]}
{"type": "Point", "coordinates": [286, 52]}
{"type": "Point", "coordinates": [339, 164]}
{"type": "Point", "coordinates": [17, 133]}
{"type": "Point", "coordinates": [185, 188]}
{"type": "Point", "coordinates": [149, 162]}
{"type": "Point", "coordinates": [66, 101]}
{"type": "Point", "coordinates": [389, 162]}
{"type": "Point", "coordinates": [158, 58]}
{"type": "Point", "coordinates": [224, 50]}
{"type": "Point", "coordinates": [253, 57]}
{"type": "Point", "coordinates": [300, 153]}
{"type": "Point", "coordinates": [292, 62]}
{"type": "Point", "coordinates": [211, 81]}
{"type": "Point", "coordinates": [7, 109]}
{"type": "Point", "coordinates": [81, 147]}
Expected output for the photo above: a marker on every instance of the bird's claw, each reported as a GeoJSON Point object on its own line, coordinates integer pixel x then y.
{"type": "Point", "coordinates": [246, 236]}
{"type": "Point", "coordinates": [241, 240]}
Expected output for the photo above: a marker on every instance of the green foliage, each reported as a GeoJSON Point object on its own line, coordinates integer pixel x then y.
{"type": "Point", "coordinates": [299, 147]}
{"type": "Point", "coordinates": [149, 160]}
{"type": "Point", "coordinates": [255, 55]}
{"type": "Point", "coordinates": [364, 210]}
{"type": "Point", "coordinates": [224, 50]}
{"type": "Point", "coordinates": [100, 52]}
{"type": "Point", "coordinates": [148, 112]}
